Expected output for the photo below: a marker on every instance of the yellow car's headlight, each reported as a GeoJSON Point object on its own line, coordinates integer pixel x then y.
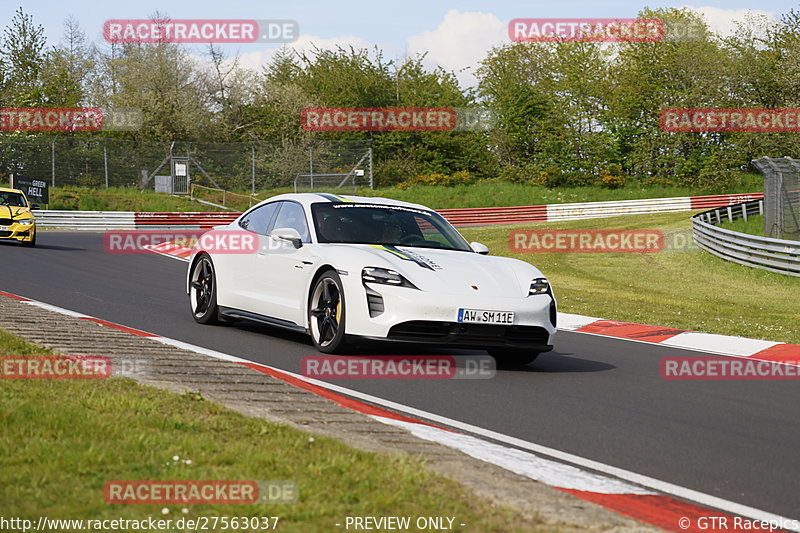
{"type": "Point", "coordinates": [25, 221]}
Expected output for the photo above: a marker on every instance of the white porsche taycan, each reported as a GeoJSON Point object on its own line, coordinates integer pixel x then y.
{"type": "Point", "coordinates": [344, 268]}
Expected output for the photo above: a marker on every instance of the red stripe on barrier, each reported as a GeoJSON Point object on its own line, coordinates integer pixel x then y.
{"type": "Point", "coordinates": [495, 215]}
{"type": "Point", "coordinates": [343, 401]}
{"type": "Point", "coordinates": [629, 330]}
{"type": "Point", "coordinates": [126, 329]}
{"type": "Point", "coordinates": [13, 296]}
{"type": "Point", "coordinates": [457, 217]}
{"type": "Point", "coordinates": [784, 353]}
{"type": "Point", "coordinates": [722, 200]}
{"type": "Point", "coordinates": [663, 511]}
{"type": "Point", "coordinates": [204, 220]}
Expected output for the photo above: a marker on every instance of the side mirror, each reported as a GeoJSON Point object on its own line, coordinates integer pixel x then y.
{"type": "Point", "coordinates": [287, 235]}
{"type": "Point", "coordinates": [35, 207]}
{"type": "Point", "coordinates": [479, 248]}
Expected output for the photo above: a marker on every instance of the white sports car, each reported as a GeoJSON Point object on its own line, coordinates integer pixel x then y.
{"type": "Point", "coordinates": [344, 268]}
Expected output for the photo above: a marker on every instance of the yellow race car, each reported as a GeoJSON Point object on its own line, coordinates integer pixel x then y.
{"type": "Point", "coordinates": [16, 220]}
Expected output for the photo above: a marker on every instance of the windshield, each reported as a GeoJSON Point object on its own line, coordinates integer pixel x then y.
{"type": "Point", "coordinates": [14, 199]}
{"type": "Point", "coordinates": [384, 224]}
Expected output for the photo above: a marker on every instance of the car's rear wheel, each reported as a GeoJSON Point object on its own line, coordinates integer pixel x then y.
{"type": "Point", "coordinates": [203, 292]}
{"type": "Point", "coordinates": [327, 313]}
{"type": "Point", "coordinates": [513, 356]}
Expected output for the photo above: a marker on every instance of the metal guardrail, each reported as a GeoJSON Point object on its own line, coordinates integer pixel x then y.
{"type": "Point", "coordinates": [585, 210]}
{"type": "Point", "coordinates": [105, 220]}
{"type": "Point", "coordinates": [129, 220]}
{"type": "Point", "coordinates": [86, 220]}
{"type": "Point", "coordinates": [776, 255]}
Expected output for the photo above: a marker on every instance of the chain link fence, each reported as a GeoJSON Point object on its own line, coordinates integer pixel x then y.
{"type": "Point", "coordinates": [246, 166]}
{"type": "Point", "coordinates": [781, 196]}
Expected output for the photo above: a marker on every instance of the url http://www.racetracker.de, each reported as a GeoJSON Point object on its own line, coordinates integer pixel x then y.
{"type": "Point", "coordinates": [45, 524]}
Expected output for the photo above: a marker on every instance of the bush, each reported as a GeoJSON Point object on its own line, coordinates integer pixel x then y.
{"type": "Point", "coordinates": [462, 177]}
{"type": "Point", "coordinates": [611, 177]}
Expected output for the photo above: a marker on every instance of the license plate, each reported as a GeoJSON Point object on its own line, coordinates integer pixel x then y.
{"type": "Point", "coordinates": [479, 316]}
{"type": "Point", "coordinates": [4, 228]}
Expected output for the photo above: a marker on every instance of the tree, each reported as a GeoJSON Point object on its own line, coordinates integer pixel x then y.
{"type": "Point", "coordinates": [67, 67]}
{"type": "Point", "coordinates": [21, 58]}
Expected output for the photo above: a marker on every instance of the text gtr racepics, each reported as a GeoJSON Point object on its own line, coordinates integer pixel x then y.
{"type": "Point", "coordinates": [344, 268]}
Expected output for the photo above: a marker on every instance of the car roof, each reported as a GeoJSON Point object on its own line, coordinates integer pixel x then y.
{"type": "Point", "coordinates": [308, 198]}
{"type": "Point", "coordinates": [6, 189]}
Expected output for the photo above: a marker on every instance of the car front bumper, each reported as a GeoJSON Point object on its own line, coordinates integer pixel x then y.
{"type": "Point", "coordinates": [17, 232]}
{"type": "Point", "coordinates": [410, 315]}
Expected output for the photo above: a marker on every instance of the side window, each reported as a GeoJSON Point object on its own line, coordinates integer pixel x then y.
{"type": "Point", "coordinates": [292, 215]}
{"type": "Point", "coordinates": [259, 218]}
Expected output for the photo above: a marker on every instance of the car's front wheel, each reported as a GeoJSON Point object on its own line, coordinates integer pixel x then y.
{"type": "Point", "coordinates": [326, 313]}
{"type": "Point", "coordinates": [31, 243]}
{"type": "Point", "coordinates": [513, 357]}
{"type": "Point", "coordinates": [203, 292]}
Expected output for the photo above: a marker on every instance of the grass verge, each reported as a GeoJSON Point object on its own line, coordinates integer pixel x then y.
{"type": "Point", "coordinates": [482, 194]}
{"type": "Point", "coordinates": [120, 199]}
{"type": "Point", "coordinates": [688, 290]}
{"type": "Point", "coordinates": [62, 440]}
{"type": "Point", "coordinates": [754, 225]}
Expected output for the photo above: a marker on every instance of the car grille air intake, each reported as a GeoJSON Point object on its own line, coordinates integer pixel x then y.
{"type": "Point", "coordinates": [374, 303]}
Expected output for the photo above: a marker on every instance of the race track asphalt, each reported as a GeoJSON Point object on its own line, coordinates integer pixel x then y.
{"type": "Point", "coordinates": [596, 397]}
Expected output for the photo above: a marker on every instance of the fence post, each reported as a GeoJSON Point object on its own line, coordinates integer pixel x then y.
{"type": "Point", "coordinates": [105, 163]}
{"type": "Point", "coordinates": [311, 163]}
{"type": "Point", "coordinates": [53, 162]}
{"type": "Point", "coordinates": [370, 165]}
{"type": "Point", "coordinates": [253, 161]}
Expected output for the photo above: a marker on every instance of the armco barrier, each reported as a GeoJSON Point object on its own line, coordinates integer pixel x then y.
{"type": "Point", "coordinates": [776, 255]}
{"type": "Point", "coordinates": [102, 220]}
{"type": "Point", "coordinates": [86, 220]}
{"type": "Point", "coordinates": [121, 220]}
{"type": "Point", "coordinates": [556, 212]}
{"type": "Point", "coordinates": [200, 220]}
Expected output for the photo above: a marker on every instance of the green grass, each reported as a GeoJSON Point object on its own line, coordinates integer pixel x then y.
{"type": "Point", "coordinates": [501, 193]}
{"type": "Point", "coordinates": [120, 199]}
{"type": "Point", "coordinates": [688, 290]}
{"type": "Point", "coordinates": [62, 440]}
{"type": "Point", "coordinates": [482, 194]}
{"type": "Point", "coordinates": [754, 225]}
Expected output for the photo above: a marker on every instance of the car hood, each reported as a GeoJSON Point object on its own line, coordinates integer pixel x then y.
{"type": "Point", "coordinates": [453, 272]}
{"type": "Point", "coordinates": [16, 212]}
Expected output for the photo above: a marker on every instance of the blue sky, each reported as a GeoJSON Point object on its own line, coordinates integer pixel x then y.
{"type": "Point", "coordinates": [374, 21]}
{"type": "Point", "coordinates": [456, 33]}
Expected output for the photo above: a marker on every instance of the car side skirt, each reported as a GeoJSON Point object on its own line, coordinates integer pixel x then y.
{"type": "Point", "coordinates": [238, 314]}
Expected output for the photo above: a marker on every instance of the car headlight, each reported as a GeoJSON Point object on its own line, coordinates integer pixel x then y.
{"type": "Point", "coordinates": [539, 286]}
{"type": "Point", "coordinates": [385, 276]}
{"type": "Point", "coordinates": [25, 221]}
